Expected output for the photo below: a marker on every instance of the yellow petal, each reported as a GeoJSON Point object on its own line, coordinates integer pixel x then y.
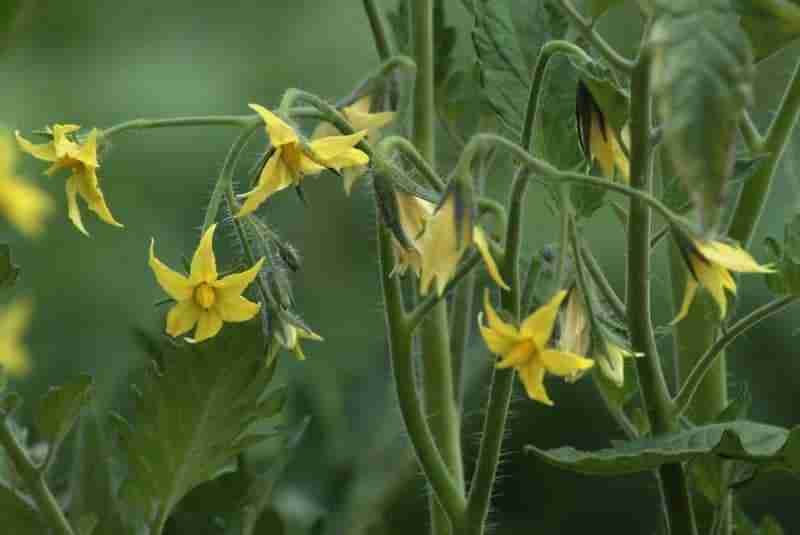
{"type": "Point", "coordinates": [44, 151]}
{"type": "Point", "coordinates": [479, 238]}
{"type": "Point", "coordinates": [73, 211]}
{"type": "Point", "coordinates": [279, 132]}
{"type": "Point", "coordinates": [204, 264]}
{"type": "Point", "coordinates": [274, 177]}
{"type": "Point", "coordinates": [236, 308]}
{"type": "Point", "coordinates": [441, 247]}
{"type": "Point", "coordinates": [369, 121]}
{"type": "Point", "coordinates": [64, 146]}
{"type": "Point", "coordinates": [532, 377]}
{"type": "Point", "coordinates": [306, 165]}
{"type": "Point", "coordinates": [600, 147]}
{"type": "Point", "coordinates": [89, 189]}
{"type": "Point", "coordinates": [564, 364]}
{"type": "Point", "coordinates": [361, 105]}
{"type": "Point", "coordinates": [347, 159]}
{"type": "Point", "coordinates": [182, 317]}
{"type": "Point", "coordinates": [14, 357]}
{"type": "Point", "coordinates": [176, 285]}
{"type": "Point", "coordinates": [519, 355]}
{"type": "Point", "coordinates": [714, 278]}
{"type": "Point", "coordinates": [620, 159]}
{"type": "Point", "coordinates": [233, 285]}
{"type": "Point", "coordinates": [575, 331]}
{"type": "Point", "coordinates": [24, 204]}
{"type": "Point", "coordinates": [733, 258]}
{"type": "Point", "coordinates": [495, 323]}
{"type": "Point", "coordinates": [333, 150]}
{"type": "Point", "coordinates": [498, 343]}
{"type": "Point", "coordinates": [208, 325]}
{"type": "Point", "coordinates": [688, 297]}
{"type": "Point", "coordinates": [539, 325]}
{"type": "Point", "coordinates": [87, 153]}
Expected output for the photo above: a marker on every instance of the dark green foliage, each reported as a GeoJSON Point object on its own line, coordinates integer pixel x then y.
{"type": "Point", "coordinates": [9, 272]}
{"type": "Point", "coordinates": [60, 408]}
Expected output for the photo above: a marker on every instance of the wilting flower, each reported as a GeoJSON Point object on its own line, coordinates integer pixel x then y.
{"type": "Point", "coordinates": [203, 299]}
{"type": "Point", "coordinates": [292, 158]}
{"type": "Point", "coordinates": [14, 358]}
{"type": "Point", "coordinates": [81, 159]}
{"type": "Point", "coordinates": [24, 204]}
{"type": "Point", "coordinates": [435, 247]}
{"type": "Point", "coordinates": [360, 118]}
{"type": "Point", "coordinates": [525, 348]}
{"type": "Point", "coordinates": [710, 263]}
{"type": "Point", "coordinates": [291, 335]}
{"type": "Point", "coordinates": [597, 139]}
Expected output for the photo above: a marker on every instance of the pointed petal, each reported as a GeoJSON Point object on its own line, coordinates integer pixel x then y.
{"type": "Point", "coordinates": [44, 151]}
{"type": "Point", "coordinates": [713, 277]}
{"type": "Point", "coordinates": [498, 343]}
{"type": "Point", "coordinates": [620, 160]}
{"type": "Point", "coordinates": [274, 177]}
{"type": "Point", "coordinates": [73, 211]}
{"type": "Point", "coordinates": [369, 121]}
{"type": "Point", "coordinates": [494, 322]}
{"type": "Point", "coordinates": [182, 317]}
{"type": "Point", "coordinates": [208, 325]}
{"type": "Point", "coordinates": [236, 308]}
{"type": "Point", "coordinates": [601, 149]}
{"type": "Point", "coordinates": [87, 153]}
{"type": "Point", "coordinates": [233, 285]}
{"type": "Point", "coordinates": [688, 297]}
{"type": "Point", "coordinates": [361, 105]}
{"type": "Point", "coordinates": [733, 258]}
{"type": "Point", "coordinates": [89, 189]}
{"type": "Point", "coordinates": [279, 132]}
{"type": "Point", "coordinates": [564, 364]}
{"type": "Point", "coordinates": [519, 355]}
{"type": "Point", "coordinates": [176, 285]}
{"type": "Point", "coordinates": [63, 145]}
{"type": "Point", "coordinates": [204, 263]}
{"type": "Point", "coordinates": [532, 377]}
{"type": "Point", "coordinates": [308, 165]}
{"type": "Point", "coordinates": [539, 325]}
{"type": "Point", "coordinates": [329, 148]}
{"type": "Point", "coordinates": [482, 244]}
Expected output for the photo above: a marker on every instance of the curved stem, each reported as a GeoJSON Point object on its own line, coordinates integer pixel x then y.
{"type": "Point", "coordinates": [373, 80]}
{"type": "Point", "coordinates": [586, 28]}
{"type": "Point", "coordinates": [755, 192]}
{"type": "Point", "coordinates": [379, 31]}
{"type": "Point", "coordinates": [226, 174]}
{"type": "Point", "coordinates": [752, 137]}
{"type": "Point", "coordinates": [404, 146]}
{"type": "Point", "coordinates": [684, 398]}
{"type": "Point", "coordinates": [498, 211]}
{"type": "Point", "coordinates": [34, 480]}
{"type": "Point", "coordinates": [600, 280]}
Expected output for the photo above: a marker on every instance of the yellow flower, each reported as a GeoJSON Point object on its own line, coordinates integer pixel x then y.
{"type": "Point", "coordinates": [24, 204]}
{"type": "Point", "coordinates": [360, 118]}
{"type": "Point", "coordinates": [710, 263]}
{"type": "Point", "coordinates": [441, 248]}
{"type": "Point", "coordinates": [81, 160]}
{"type": "Point", "coordinates": [292, 158]}
{"type": "Point", "coordinates": [14, 358]}
{"type": "Point", "coordinates": [290, 339]}
{"type": "Point", "coordinates": [575, 328]}
{"type": "Point", "coordinates": [413, 213]}
{"type": "Point", "coordinates": [203, 298]}
{"type": "Point", "coordinates": [597, 139]}
{"type": "Point", "coordinates": [524, 348]}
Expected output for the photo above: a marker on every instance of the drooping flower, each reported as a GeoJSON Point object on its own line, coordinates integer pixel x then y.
{"type": "Point", "coordinates": [202, 298]}
{"type": "Point", "coordinates": [24, 204]}
{"type": "Point", "coordinates": [360, 118]}
{"type": "Point", "coordinates": [291, 335]}
{"type": "Point", "coordinates": [525, 347]}
{"type": "Point", "coordinates": [292, 158]}
{"type": "Point", "coordinates": [435, 247]}
{"type": "Point", "coordinates": [597, 139]}
{"type": "Point", "coordinates": [14, 357]}
{"type": "Point", "coordinates": [81, 159]}
{"type": "Point", "coordinates": [710, 263]}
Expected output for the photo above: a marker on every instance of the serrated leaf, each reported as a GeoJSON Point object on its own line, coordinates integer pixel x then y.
{"type": "Point", "coordinates": [18, 515]}
{"type": "Point", "coordinates": [503, 71]}
{"type": "Point", "coordinates": [193, 416]}
{"type": "Point", "coordinates": [60, 408]}
{"type": "Point", "coordinates": [702, 73]}
{"type": "Point", "coordinates": [9, 272]}
{"type": "Point", "coordinates": [768, 32]}
{"type": "Point", "coordinates": [764, 445]}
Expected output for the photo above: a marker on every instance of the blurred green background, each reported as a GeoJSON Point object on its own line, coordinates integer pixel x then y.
{"type": "Point", "coordinates": [98, 63]}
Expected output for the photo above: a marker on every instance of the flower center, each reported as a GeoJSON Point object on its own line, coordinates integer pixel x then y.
{"type": "Point", "coordinates": [205, 296]}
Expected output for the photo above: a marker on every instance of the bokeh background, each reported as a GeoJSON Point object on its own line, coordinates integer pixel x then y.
{"type": "Point", "coordinates": [97, 63]}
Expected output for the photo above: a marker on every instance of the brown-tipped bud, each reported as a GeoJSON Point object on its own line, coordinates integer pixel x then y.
{"type": "Point", "coordinates": [597, 139]}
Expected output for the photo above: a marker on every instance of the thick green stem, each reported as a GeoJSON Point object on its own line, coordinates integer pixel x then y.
{"type": "Point", "coordinates": [34, 480]}
{"type": "Point", "coordinates": [756, 191]}
{"type": "Point", "coordinates": [655, 395]}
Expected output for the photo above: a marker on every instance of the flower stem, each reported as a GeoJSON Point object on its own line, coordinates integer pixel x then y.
{"type": "Point", "coordinates": [706, 362]}
{"type": "Point", "coordinates": [34, 480]}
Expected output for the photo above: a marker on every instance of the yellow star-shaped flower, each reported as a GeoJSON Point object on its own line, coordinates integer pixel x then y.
{"type": "Point", "coordinates": [710, 263]}
{"type": "Point", "coordinates": [525, 348]}
{"type": "Point", "coordinates": [24, 204]}
{"type": "Point", "coordinates": [292, 159]}
{"type": "Point", "coordinates": [14, 358]}
{"type": "Point", "coordinates": [81, 160]}
{"type": "Point", "coordinates": [597, 139]}
{"type": "Point", "coordinates": [203, 299]}
{"type": "Point", "coordinates": [291, 336]}
{"type": "Point", "coordinates": [360, 118]}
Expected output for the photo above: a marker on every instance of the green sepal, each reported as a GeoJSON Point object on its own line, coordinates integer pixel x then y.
{"type": "Point", "coordinates": [786, 260]}
{"type": "Point", "coordinates": [60, 408]}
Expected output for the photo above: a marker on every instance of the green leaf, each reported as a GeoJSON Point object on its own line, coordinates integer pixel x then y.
{"type": "Point", "coordinates": [768, 31]}
{"type": "Point", "coordinates": [586, 199]}
{"type": "Point", "coordinates": [60, 408]}
{"type": "Point", "coordinates": [702, 73]}
{"type": "Point", "coordinates": [18, 515]}
{"type": "Point", "coordinates": [763, 445]}
{"type": "Point", "coordinates": [193, 415]}
{"type": "Point", "coordinates": [503, 71]}
{"type": "Point", "coordinates": [445, 36]}
{"type": "Point", "coordinates": [786, 260]}
{"type": "Point", "coordinates": [9, 272]}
